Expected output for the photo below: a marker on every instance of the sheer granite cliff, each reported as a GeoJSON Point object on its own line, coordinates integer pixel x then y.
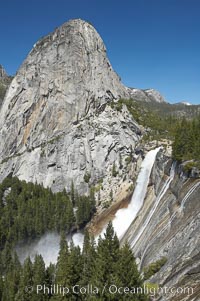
{"type": "Point", "coordinates": [55, 122]}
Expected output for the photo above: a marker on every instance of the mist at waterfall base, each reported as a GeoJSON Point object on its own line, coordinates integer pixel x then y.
{"type": "Point", "coordinates": [124, 217]}
{"type": "Point", "coordinates": [48, 246]}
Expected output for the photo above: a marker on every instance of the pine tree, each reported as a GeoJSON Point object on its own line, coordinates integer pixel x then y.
{"type": "Point", "coordinates": [62, 267]}
{"type": "Point", "coordinates": [105, 264]}
{"type": "Point", "coordinates": [1, 286]}
{"type": "Point", "coordinates": [89, 257]}
{"type": "Point", "coordinates": [11, 279]}
{"type": "Point", "coordinates": [114, 171]}
{"type": "Point", "coordinates": [39, 278]}
{"type": "Point", "coordinates": [26, 282]}
{"type": "Point", "coordinates": [127, 274]}
{"type": "Point", "coordinates": [6, 257]}
{"type": "Point", "coordinates": [120, 161]}
{"type": "Point", "coordinates": [72, 193]}
{"type": "Point", "coordinates": [75, 265]}
{"type": "Point", "coordinates": [50, 274]}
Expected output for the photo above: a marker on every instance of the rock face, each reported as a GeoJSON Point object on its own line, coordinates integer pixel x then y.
{"type": "Point", "coordinates": [3, 74]}
{"type": "Point", "coordinates": [147, 95]}
{"type": "Point", "coordinates": [172, 232]}
{"type": "Point", "coordinates": [4, 83]}
{"type": "Point", "coordinates": [154, 95]}
{"type": "Point", "coordinates": [56, 122]}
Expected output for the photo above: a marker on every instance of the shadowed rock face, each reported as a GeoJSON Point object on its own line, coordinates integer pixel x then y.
{"type": "Point", "coordinates": [55, 122]}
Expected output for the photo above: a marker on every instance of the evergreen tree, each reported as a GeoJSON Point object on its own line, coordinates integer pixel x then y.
{"type": "Point", "coordinates": [89, 257]}
{"type": "Point", "coordinates": [26, 282]}
{"type": "Point", "coordinates": [39, 278]}
{"type": "Point", "coordinates": [1, 286]}
{"type": "Point", "coordinates": [120, 161]}
{"type": "Point", "coordinates": [62, 268]}
{"type": "Point", "coordinates": [50, 274]}
{"type": "Point", "coordinates": [85, 210]}
{"type": "Point", "coordinates": [114, 170]}
{"type": "Point", "coordinates": [6, 257]}
{"type": "Point", "coordinates": [75, 265]}
{"type": "Point", "coordinates": [186, 144]}
{"type": "Point", "coordinates": [11, 280]}
{"type": "Point", "coordinates": [127, 274]}
{"type": "Point", "coordinates": [72, 193]}
{"type": "Point", "coordinates": [105, 264]}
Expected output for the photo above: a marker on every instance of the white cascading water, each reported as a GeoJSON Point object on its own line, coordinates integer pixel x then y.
{"type": "Point", "coordinates": [192, 189]}
{"type": "Point", "coordinates": [124, 217]}
{"type": "Point", "coordinates": [156, 203]}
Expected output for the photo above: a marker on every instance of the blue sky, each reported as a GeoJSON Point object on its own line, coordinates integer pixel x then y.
{"type": "Point", "coordinates": [150, 43]}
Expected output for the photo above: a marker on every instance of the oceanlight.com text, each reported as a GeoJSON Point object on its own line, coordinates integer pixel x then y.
{"type": "Point", "coordinates": [112, 289]}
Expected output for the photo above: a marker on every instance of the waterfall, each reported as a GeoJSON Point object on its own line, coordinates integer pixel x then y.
{"type": "Point", "coordinates": [124, 217]}
{"type": "Point", "coordinates": [156, 203]}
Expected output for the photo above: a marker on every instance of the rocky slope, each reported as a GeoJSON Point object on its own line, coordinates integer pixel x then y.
{"type": "Point", "coordinates": [3, 74]}
{"type": "Point", "coordinates": [4, 83]}
{"type": "Point", "coordinates": [172, 232]}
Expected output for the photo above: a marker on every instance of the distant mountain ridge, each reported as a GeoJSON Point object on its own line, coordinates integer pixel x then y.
{"type": "Point", "coordinates": [148, 95]}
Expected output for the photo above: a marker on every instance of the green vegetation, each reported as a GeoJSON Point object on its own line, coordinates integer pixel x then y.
{"type": "Point", "coordinates": [151, 116]}
{"type": "Point", "coordinates": [106, 204]}
{"type": "Point", "coordinates": [189, 166]}
{"type": "Point", "coordinates": [2, 91]}
{"type": "Point", "coordinates": [162, 119]}
{"type": "Point", "coordinates": [178, 123]}
{"type": "Point", "coordinates": [4, 83]}
{"type": "Point", "coordinates": [86, 208]}
{"type": "Point", "coordinates": [128, 160]}
{"type": "Point", "coordinates": [114, 170]}
{"type": "Point", "coordinates": [87, 177]}
{"type": "Point", "coordinates": [153, 268]}
{"type": "Point", "coordinates": [29, 210]}
{"type": "Point", "coordinates": [97, 265]}
{"type": "Point", "coordinates": [186, 144]}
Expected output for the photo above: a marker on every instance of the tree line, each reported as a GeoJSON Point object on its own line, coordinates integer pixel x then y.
{"type": "Point", "coordinates": [29, 210]}
{"type": "Point", "coordinates": [95, 273]}
{"type": "Point", "coordinates": [186, 144]}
